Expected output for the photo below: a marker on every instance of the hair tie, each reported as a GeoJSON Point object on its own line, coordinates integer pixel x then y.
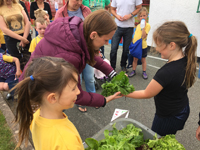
{"type": "Point", "coordinates": [190, 35]}
{"type": "Point", "coordinates": [31, 77]}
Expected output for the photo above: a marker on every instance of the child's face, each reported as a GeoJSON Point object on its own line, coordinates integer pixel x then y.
{"type": "Point", "coordinates": [46, 17]}
{"type": "Point", "coordinates": [69, 94]}
{"type": "Point", "coordinates": [40, 28]}
{"type": "Point", "coordinates": [143, 15]}
{"type": "Point", "coordinates": [163, 49]}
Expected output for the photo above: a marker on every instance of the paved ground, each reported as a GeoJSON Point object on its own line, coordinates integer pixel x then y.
{"type": "Point", "coordinates": [142, 110]}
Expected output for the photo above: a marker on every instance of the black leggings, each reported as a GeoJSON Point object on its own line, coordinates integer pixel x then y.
{"type": "Point", "coordinates": [12, 43]}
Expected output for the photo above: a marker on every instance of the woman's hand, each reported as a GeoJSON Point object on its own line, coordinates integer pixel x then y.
{"type": "Point", "coordinates": [112, 97]}
{"type": "Point", "coordinates": [24, 40]}
{"type": "Point", "coordinates": [198, 133]}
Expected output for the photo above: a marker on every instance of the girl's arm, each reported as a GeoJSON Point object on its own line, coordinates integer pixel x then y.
{"type": "Point", "coordinates": [9, 32]}
{"type": "Point", "coordinates": [18, 70]}
{"type": "Point", "coordinates": [151, 90]}
{"type": "Point", "coordinates": [144, 34]}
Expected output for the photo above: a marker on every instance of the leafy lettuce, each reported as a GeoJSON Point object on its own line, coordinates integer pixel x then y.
{"type": "Point", "coordinates": [118, 83]}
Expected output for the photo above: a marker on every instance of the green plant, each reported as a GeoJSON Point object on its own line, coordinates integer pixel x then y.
{"type": "Point", "coordinates": [119, 83]}
{"type": "Point", "coordinates": [128, 138]}
{"type": "Point", "coordinates": [6, 142]}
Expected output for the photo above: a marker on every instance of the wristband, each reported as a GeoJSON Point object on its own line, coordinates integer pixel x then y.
{"type": "Point", "coordinates": [132, 15]}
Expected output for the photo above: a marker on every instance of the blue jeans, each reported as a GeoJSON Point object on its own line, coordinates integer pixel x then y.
{"type": "Point", "coordinates": [88, 75]}
{"type": "Point", "coordinates": [126, 33]}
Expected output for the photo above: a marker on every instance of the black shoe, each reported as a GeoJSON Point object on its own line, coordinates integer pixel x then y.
{"type": "Point", "coordinates": [8, 96]}
{"type": "Point", "coordinates": [124, 69]}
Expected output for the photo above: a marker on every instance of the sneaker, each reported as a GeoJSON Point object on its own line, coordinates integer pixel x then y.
{"type": "Point", "coordinates": [124, 69]}
{"type": "Point", "coordinates": [144, 75]}
{"type": "Point", "coordinates": [129, 66]}
{"type": "Point", "coordinates": [132, 73]}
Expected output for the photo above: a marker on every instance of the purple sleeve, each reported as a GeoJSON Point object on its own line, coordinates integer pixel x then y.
{"type": "Point", "coordinates": [90, 99]}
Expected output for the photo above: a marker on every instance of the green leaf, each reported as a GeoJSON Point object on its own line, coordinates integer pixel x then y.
{"type": "Point", "coordinates": [92, 143]}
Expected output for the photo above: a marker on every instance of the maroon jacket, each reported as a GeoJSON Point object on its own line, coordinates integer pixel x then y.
{"type": "Point", "coordinates": [64, 38]}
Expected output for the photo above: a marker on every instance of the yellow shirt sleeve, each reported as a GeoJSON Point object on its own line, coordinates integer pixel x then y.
{"type": "Point", "coordinates": [8, 58]}
{"type": "Point", "coordinates": [32, 46]}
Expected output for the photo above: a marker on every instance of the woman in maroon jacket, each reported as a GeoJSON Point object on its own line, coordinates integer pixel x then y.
{"type": "Point", "coordinates": [78, 43]}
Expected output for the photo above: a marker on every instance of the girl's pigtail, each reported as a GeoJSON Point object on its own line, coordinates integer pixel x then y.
{"type": "Point", "coordinates": [24, 112]}
{"type": "Point", "coordinates": [190, 53]}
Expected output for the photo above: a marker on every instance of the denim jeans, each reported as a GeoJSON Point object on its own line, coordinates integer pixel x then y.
{"type": "Point", "coordinates": [88, 75]}
{"type": "Point", "coordinates": [126, 33]}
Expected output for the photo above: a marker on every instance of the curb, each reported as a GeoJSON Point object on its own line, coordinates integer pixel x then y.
{"type": "Point", "coordinates": [9, 116]}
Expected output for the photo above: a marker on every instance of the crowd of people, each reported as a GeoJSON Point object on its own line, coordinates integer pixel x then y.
{"type": "Point", "coordinates": [67, 49]}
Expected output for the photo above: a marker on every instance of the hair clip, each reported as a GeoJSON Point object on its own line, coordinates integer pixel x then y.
{"type": "Point", "coordinates": [190, 35]}
{"type": "Point", "coordinates": [31, 77]}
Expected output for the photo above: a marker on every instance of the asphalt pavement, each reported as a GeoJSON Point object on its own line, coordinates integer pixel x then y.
{"type": "Point", "coordinates": [141, 110]}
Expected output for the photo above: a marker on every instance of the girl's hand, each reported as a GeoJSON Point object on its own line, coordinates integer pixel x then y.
{"type": "Point", "coordinates": [112, 97]}
{"type": "Point", "coordinates": [18, 73]}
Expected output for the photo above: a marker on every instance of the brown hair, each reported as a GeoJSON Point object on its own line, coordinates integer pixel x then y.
{"type": "Point", "coordinates": [40, 13]}
{"type": "Point", "coordinates": [50, 74]}
{"type": "Point", "coordinates": [141, 10]}
{"type": "Point", "coordinates": [2, 2]}
{"type": "Point", "coordinates": [40, 20]}
{"type": "Point", "coordinates": [177, 32]}
{"type": "Point", "coordinates": [101, 22]}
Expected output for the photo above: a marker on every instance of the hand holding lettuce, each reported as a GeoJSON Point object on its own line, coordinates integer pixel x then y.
{"type": "Point", "coordinates": [119, 83]}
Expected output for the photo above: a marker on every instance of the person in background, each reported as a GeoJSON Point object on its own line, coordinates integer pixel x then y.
{"type": "Point", "coordinates": [42, 13]}
{"type": "Point", "coordinates": [40, 26]}
{"type": "Point", "coordinates": [78, 43]}
{"type": "Point", "coordinates": [170, 85]}
{"type": "Point", "coordinates": [2, 42]}
{"type": "Point", "coordinates": [141, 33]}
{"type": "Point", "coordinates": [51, 83]}
{"type": "Point", "coordinates": [76, 8]}
{"type": "Point", "coordinates": [9, 70]}
{"type": "Point", "coordinates": [15, 26]}
{"type": "Point", "coordinates": [42, 5]}
{"type": "Point", "coordinates": [124, 12]}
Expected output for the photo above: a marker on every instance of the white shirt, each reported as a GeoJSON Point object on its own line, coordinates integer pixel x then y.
{"type": "Point", "coordinates": [125, 7]}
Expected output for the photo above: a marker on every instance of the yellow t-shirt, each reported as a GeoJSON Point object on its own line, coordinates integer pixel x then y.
{"type": "Point", "coordinates": [54, 134]}
{"type": "Point", "coordinates": [13, 17]}
{"type": "Point", "coordinates": [34, 42]}
{"type": "Point", "coordinates": [7, 58]}
{"type": "Point", "coordinates": [2, 40]}
{"type": "Point", "coordinates": [138, 34]}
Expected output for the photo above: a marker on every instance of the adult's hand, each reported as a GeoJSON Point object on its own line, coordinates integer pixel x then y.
{"type": "Point", "coordinates": [120, 18]}
{"type": "Point", "coordinates": [198, 133]}
{"type": "Point", "coordinates": [126, 17]}
{"type": "Point", "coordinates": [112, 97]}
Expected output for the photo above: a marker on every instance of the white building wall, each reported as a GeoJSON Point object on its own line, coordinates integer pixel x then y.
{"type": "Point", "coordinates": [167, 10]}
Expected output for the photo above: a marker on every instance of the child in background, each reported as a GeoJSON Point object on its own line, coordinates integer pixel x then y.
{"type": "Point", "coordinates": [40, 26]}
{"type": "Point", "coordinates": [9, 70]}
{"type": "Point", "coordinates": [50, 82]}
{"type": "Point", "coordinates": [170, 85]}
{"type": "Point", "coordinates": [141, 32]}
{"type": "Point", "coordinates": [2, 42]}
{"type": "Point", "coordinates": [42, 13]}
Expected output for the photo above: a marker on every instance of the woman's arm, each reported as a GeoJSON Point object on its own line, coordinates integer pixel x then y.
{"type": "Point", "coordinates": [151, 90]}
{"type": "Point", "coordinates": [18, 70]}
{"type": "Point", "coordinates": [9, 32]}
